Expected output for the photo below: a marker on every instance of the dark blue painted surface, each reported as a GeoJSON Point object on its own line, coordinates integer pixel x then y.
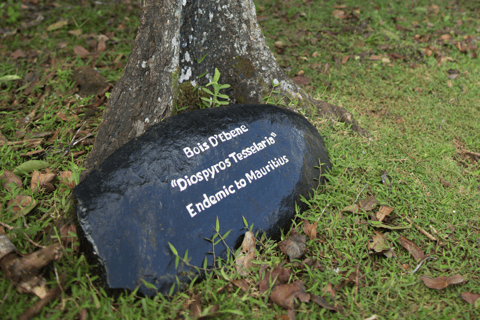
{"type": "Point", "coordinates": [132, 206]}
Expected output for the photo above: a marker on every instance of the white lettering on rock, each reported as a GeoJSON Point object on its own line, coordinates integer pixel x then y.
{"type": "Point", "coordinates": [211, 172]}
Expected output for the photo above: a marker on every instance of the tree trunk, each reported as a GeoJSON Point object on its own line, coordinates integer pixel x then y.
{"type": "Point", "coordinates": [164, 67]}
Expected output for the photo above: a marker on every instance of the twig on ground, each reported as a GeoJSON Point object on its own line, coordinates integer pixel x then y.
{"type": "Point", "coordinates": [72, 143]}
{"type": "Point", "coordinates": [91, 284]}
{"type": "Point", "coordinates": [33, 242]}
{"type": "Point", "coordinates": [421, 262]}
{"type": "Point", "coordinates": [6, 226]}
{"type": "Point", "coordinates": [59, 281]}
{"type": "Point", "coordinates": [472, 153]}
{"type": "Point", "coordinates": [428, 235]}
{"type": "Point", "coordinates": [80, 140]}
{"type": "Point", "coordinates": [360, 193]}
{"type": "Point", "coordinates": [73, 138]}
{"type": "Point", "coordinates": [321, 214]}
{"type": "Point", "coordinates": [29, 240]}
{"type": "Point", "coordinates": [356, 281]}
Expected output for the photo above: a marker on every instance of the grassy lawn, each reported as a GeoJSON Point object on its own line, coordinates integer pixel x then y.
{"type": "Point", "coordinates": [407, 71]}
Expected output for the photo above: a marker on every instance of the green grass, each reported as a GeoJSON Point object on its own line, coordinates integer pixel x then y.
{"type": "Point", "coordinates": [423, 122]}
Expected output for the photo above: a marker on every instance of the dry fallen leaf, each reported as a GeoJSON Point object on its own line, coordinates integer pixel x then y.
{"type": "Point", "coordinates": [339, 14]}
{"type": "Point", "coordinates": [312, 264]}
{"type": "Point", "coordinates": [411, 247]}
{"type": "Point", "coordinates": [67, 238]}
{"type": "Point", "coordinates": [66, 179]}
{"type": "Point", "coordinates": [18, 54]}
{"type": "Point", "coordinates": [472, 298]}
{"type": "Point", "coordinates": [243, 261]}
{"type": "Point", "coordinates": [326, 67]}
{"type": "Point", "coordinates": [280, 47]}
{"type": "Point", "coordinates": [3, 140]}
{"type": "Point", "coordinates": [77, 32]}
{"type": "Point", "coordinates": [242, 284]}
{"type": "Point", "coordinates": [376, 57]}
{"type": "Point", "coordinates": [57, 25]}
{"type": "Point", "coordinates": [380, 244]}
{"type": "Point", "coordinates": [383, 212]}
{"type": "Point", "coordinates": [445, 37]}
{"type": "Point", "coordinates": [310, 229]}
{"type": "Point", "coordinates": [62, 116]}
{"type": "Point", "coordinates": [284, 295]}
{"type": "Point", "coordinates": [278, 275]}
{"type": "Point", "coordinates": [402, 28]}
{"type": "Point", "coordinates": [195, 307]}
{"type": "Point", "coordinates": [352, 276]}
{"type": "Point", "coordinates": [20, 202]}
{"type": "Point", "coordinates": [330, 289]}
{"type": "Point", "coordinates": [435, 9]}
{"type": "Point", "coordinates": [81, 51]}
{"type": "Point", "coordinates": [461, 46]}
{"type": "Point", "coordinates": [321, 302]}
{"type": "Point", "coordinates": [354, 208]}
{"type": "Point", "coordinates": [301, 80]}
{"type": "Point", "coordinates": [442, 282]}
{"type": "Point", "coordinates": [102, 39]}
{"type": "Point", "coordinates": [441, 60]}
{"type": "Point", "coordinates": [294, 245]}
{"type": "Point", "coordinates": [368, 203]}
{"type": "Point", "coordinates": [42, 181]}
{"type": "Point", "coordinates": [8, 178]}
{"type": "Point", "coordinates": [396, 56]}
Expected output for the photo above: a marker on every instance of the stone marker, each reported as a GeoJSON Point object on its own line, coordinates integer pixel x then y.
{"type": "Point", "coordinates": [170, 184]}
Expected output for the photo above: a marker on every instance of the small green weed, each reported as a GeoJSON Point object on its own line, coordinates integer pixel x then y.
{"type": "Point", "coordinates": [13, 11]}
{"type": "Point", "coordinates": [213, 101]}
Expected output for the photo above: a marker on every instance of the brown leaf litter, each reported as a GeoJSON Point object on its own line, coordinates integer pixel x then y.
{"type": "Point", "coordinates": [383, 212]}
{"type": "Point", "coordinates": [472, 298]}
{"type": "Point", "coordinates": [42, 181]}
{"type": "Point", "coordinates": [8, 178]}
{"type": "Point", "coordinates": [284, 295]}
{"type": "Point", "coordinates": [294, 245]}
{"type": "Point", "coordinates": [442, 282]}
{"type": "Point", "coordinates": [310, 229]}
{"type": "Point", "coordinates": [381, 245]}
{"type": "Point", "coordinates": [278, 275]}
{"type": "Point", "coordinates": [243, 261]}
{"type": "Point", "coordinates": [411, 247]}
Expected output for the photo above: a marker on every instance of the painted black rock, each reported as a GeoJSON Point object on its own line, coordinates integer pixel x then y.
{"type": "Point", "coordinates": [170, 184]}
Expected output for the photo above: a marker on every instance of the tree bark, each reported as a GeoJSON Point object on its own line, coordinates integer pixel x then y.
{"type": "Point", "coordinates": [164, 67]}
